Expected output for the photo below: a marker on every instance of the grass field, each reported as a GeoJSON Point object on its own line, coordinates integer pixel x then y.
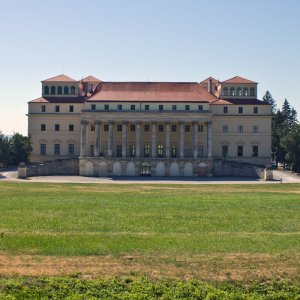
{"type": "Point", "coordinates": [210, 232]}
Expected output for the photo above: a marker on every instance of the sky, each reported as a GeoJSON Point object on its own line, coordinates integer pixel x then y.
{"type": "Point", "coordinates": [139, 40]}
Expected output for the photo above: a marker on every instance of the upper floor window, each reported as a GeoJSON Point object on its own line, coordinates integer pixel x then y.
{"type": "Point", "coordinates": [43, 108]}
{"type": "Point", "coordinates": [200, 107]}
{"type": "Point", "coordinates": [187, 107]}
{"type": "Point", "coordinates": [174, 107]}
{"type": "Point", "coordinates": [119, 127]}
{"type": "Point", "coordinates": [56, 108]}
{"type": "Point", "coordinates": [225, 91]}
{"type": "Point", "coordinates": [240, 128]}
{"type": "Point", "coordinates": [71, 127]}
{"type": "Point", "coordinates": [240, 109]}
{"type": "Point", "coordinates": [46, 90]}
{"type": "Point", "coordinates": [160, 151]}
{"type": "Point", "coordinates": [255, 129]}
{"type": "Point", "coordinates": [245, 92]}
{"type": "Point", "coordinates": [225, 109]}
{"type": "Point", "coordinates": [71, 108]}
{"type": "Point", "coordinates": [92, 127]}
{"type": "Point", "coordinates": [132, 107]}
{"type": "Point", "coordinates": [52, 90]}
{"type": "Point", "coordinates": [59, 90]}
{"type": "Point", "coordinates": [252, 92]}
{"type": "Point", "coordinates": [239, 91]}
{"type": "Point", "coordinates": [43, 127]}
{"type": "Point", "coordinates": [225, 128]}
{"type": "Point", "coordinates": [174, 128]}
{"type": "Point", "coordinates": [255, 151]}
{"type": "Point", "coordinates": [146, 127]}
{"type": "Point", "coordinates": [132, 127]}
{"type": "Point", "coordinates": [160, 128]}
{"type": "Point", "coordinates": [72, 90]}
{"type": "Point", "coordinates": [200, 128]}
{"type": "Point", "coordinates": [106, 107]}
{"type": "Point", "coordinates": [161, 107]}
{"type": "Point", "coordinates": [187, 128]}
{"type": "Point", "coordinates": [66, 90]}
{"type": "Point", "coordinates": [255, 110]}
{"type": "Point", "coordinates": [105, 127]}
{"type": "Point", "coordinates": [56, 127]}
{"type": "Point", "coordinates": [232, 91]}
{"type": "Point", "coordinates": [119, 106]}
{"type": "Point", "coordinates": [147, 107]}
{"type": "Point", "coordinates": [93, 107]}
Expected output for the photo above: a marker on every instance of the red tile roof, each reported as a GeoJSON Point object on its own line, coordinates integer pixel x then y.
{"type": "Point", "coordinates": [238, 79]}
{"type": "Point", "coordinates": [58, 100]}
{"type": "Point", "coordinates": [214, 80]}
{"type": "Point", "coordinates": [151, 91]}
{"type": "Point", "coordinates": [239, 102]}
{"type": "Point", "coordinates": [62, 77]}
{"type": "Point", "coordinates": [91, 79]}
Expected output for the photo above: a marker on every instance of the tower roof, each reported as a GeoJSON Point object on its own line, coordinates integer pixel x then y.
{"type": "Point", "coordinates": [60, 78]}
{"type": "Point", "coordinates": [238, 79]}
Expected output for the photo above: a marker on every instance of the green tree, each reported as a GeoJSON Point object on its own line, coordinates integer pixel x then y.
{"type": "Point", "coordinates": [20, 148]}
{"type": "Point", "coordinates": [4, 150]}
{"type": "Point", "coordinates": [270, 100]}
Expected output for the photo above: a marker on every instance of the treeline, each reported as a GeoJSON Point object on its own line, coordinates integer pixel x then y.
{"type": "Point", "coordinates": [14, 150]}
{"type": "Point", "coordinates": [285, 134]}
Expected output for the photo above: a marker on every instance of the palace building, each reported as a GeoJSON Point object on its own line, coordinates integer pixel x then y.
{"type": "Point", "coordinates": [149, 128]}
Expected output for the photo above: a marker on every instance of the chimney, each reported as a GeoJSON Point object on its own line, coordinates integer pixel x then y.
{"type": "Point", "coordinates": [209, 87]}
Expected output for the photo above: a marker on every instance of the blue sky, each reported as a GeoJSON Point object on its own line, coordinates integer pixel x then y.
{"type": "Point", "coordinates": [157, 40]}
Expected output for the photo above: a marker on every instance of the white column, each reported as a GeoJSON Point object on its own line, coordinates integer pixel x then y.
{"type": "Point", "coordinates": [97, 138]}
{"type": "Point", "coordinates": [209, 139]}
{"type": "Point", "coordinates": [83, 136]}
{"type": "Point", "coordinates": [124, 139]}
{"type": "Point", "coordinates": [110, 139]}
{"type": "Point", "coordinates": [138, 139]}
{"type": "Point", "coordinates": [195, 140]}
{"type": "Point", "coordinates": [181, 139]}
{"type": "Point", "coordinates": [153, 152]}
{"type": "Point", "coordinates": [167, 139]}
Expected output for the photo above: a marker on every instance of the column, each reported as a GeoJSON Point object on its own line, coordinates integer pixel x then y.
{"type": "Point", "coordinates": [209, 139]}
{"type": "Point", "coordinates": [110, 138]}
{"type": "Point", "coordinates": [181, 140]}
{"type": "Point", "coordinates": [153, 152]}
{"type": "Point", "coordinates": [138, 139]}
{"type": "Point", "coordinates": [167, 140]}
{"type": "Point", "coordinates": [195, 140]}
{"type": "Point", "coordinates": [124, 139]}
{"type": "Point", "coordinates": [83, 136]}
{"type": "Point", "coordinates": [97, 138]}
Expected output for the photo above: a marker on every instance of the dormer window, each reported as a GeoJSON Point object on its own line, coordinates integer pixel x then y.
{"type": "Point", "coordinates": [52, 90]}
{"type": "Point", "coordinates": [232, 91]}
{"type": "Point", "coordinates": [59, 90]}
{"type": "Point", "coordinates": [239, 91]}
{"type": "Point", "coordinates": [252, 92]}
{"type": "Point", "coordinates": [245, 93]}
{"type": "Point", "coordinates": [72, 90]}
{"type": "Point", "coordinates": [46, 90]}
{"type": "Point", "coordinates": [66, 90]}
{"type": "Point", "coordinates": [225, 91]}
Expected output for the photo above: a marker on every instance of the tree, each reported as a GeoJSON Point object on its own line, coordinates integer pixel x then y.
{"type": "Point", "coordinates": [270, 100]}
{"type": "Point", "coordinates": [4, 150]}
{"type": "Point", "coordinates": [20, 148]}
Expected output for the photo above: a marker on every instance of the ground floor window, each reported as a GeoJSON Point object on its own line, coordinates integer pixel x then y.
{"type": "Point", "coordinates": [173, 151]}
{"type": "Point", "coordinates": [71, 149]}
{"type": "Point", "coordinates": [119, 150]}
{"type": "Point", "coordinates": [132, 150]}
{"type": "Point", "coordinates": [146, 150]}
{"type": "Point", "coordinates": [42, 149]}
{"type": "Point", "coordinates": [56, 149]}
{"type": "Point", "coordinates": [92, 150]}
{"type": "Point", "coordinates": [224, 151]}
{"type": "Point", "coordinates": [240, 151]}
{"type": "Point", "coordinates": [200, 151]}
{"type": "Point", "coordinates": [255, 151]}
{"type": "Point", "coordinates": [104, 150]}
{"type": "Point", "coordinates": [160, 151]}
{"type": "Point", "coordinates": [187, 151]}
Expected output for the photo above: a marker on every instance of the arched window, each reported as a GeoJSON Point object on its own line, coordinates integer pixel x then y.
{"type": "Point", "coordinates": [239, 91]}
{"type": "Point", "coordinates": [252, 92]}
{"type": "Point", "coordinates": [52, 90]}
{"type": "Point", "coordinates": [232, 91]}
{"type": "Point", "coordinates": [59, 90]}
{"type": "Point", "coordinates": [46, 90]}
{"type": "Point", "coordinates": [66, 90]}
{"type": "Point", "coordinates": [72, 90]}
{"type": "Point", "coordinates": [245, 93]}
{"type": "Point", "coordinates": [225, 91]}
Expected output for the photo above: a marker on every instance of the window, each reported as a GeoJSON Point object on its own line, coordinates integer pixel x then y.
{"type": "Point", "coordinates": [255, 110]}
{"type": "Point", "coordinates": [245, 93]}
{"type": "Point", "coordinates": [146, 128]}
{"type": "Point", "coordinates": [92, 127]}
{"type": "Point", "coordinates": [56, 149]}
{"type": "Point", "coordinates": [239, 91]}
{"type": "Point", "coordinates": [200, 128]}
{"type": "Point", "coordinates": [240, 150]}
{"type": "Point", "coordinates": [132, 150]}
{"type": "Point", "coordinates": [200, 107]}
{"type": "Point", "coordinates": [43, 108]}
{"type": "Point", "coordinates": [146, 107]}
{"type": "Point", "coordinates": [66, 90]}
{"type": "Point", "coordinates": [187, 151]}
{"type": "Point", "coordinates": [43, 127]}
{"type": "Point", "coordinates": [132, 107]}
{"type": "Point", "coordinates": [255, 151]}
{"type": "Point", "coordinates": [232, 91]}
{"type": "Point", "coordinates": [173, 151]}
{"type": "Point", "coordinates": [161, 107]}
{"type": "Point", "coordinates": [93, 106]}
{"type": "Point", "coordinates": [240, 128]}
{"type": "Point", "coordinates": [224, 151]}
{"type": "Point", "coordinates": [52, 90]}
{"type": "Point", "coordinates": [119, 127]}
{"type": "Point", "coordinates": [56, 108]}
{"type": "Point", "coordinates": [71, 127]}
{"type": "Point", "coordinates": [56, 127]}
{"type": "Point", "coordinates": [174, 107]}
{"type": "Point", "coordinates": [200, 151]}
{"type": "Point", "coordinates": [46, 90]}
{"type": "Point", "coordinates": [252, 92]}
{"type": "Point", "coordinates": [225, 109]}
{"type": "Point", "coordinates": [225, 128]}
{"type": "Point", "coordinates": [72, 90]}
{"type": "Point", "coordinates": [119, 106]}
{"type": "Point", "coordinates": [225, 91]}
{"type": "Point", "coordinates": [105, 127]}
{"type": "Point", "coordinates": [42, 149]}
{"type": "Point", "coordinates": [187, 107]}
{"type": "Point", "coordinates": [71, 149]}
{"type": "Point", "coordinates": [71, 108]}
{"type": "Point", "coordinates": [255, 129]}
{"type": "Point", "coordinates": [160, 128]}
{"type": "Point", "coordinates": [119, 150]}
{"type": "Point", "coordinates": [240, 109]}
{"type": "Point", "coordinates": [174, 128]}
{"type": "Point", "coordinates": [160, 151]}
{"type": "Point", "coordinates": [59, 90]}
{"type": "Point", "coordinates": [132, 127]}
{"type": "Point", "coordinates": [146, 150]}
{"type": "Point", "coordinates": [187, 128]}
{"type": "Point", "coordinates": [92, 150]}
{"type": "Point", "coordinates": [106, 107]}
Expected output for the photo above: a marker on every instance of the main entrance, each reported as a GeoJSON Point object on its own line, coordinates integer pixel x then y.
{"type": "Point", "coordinates": [145, 169]}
